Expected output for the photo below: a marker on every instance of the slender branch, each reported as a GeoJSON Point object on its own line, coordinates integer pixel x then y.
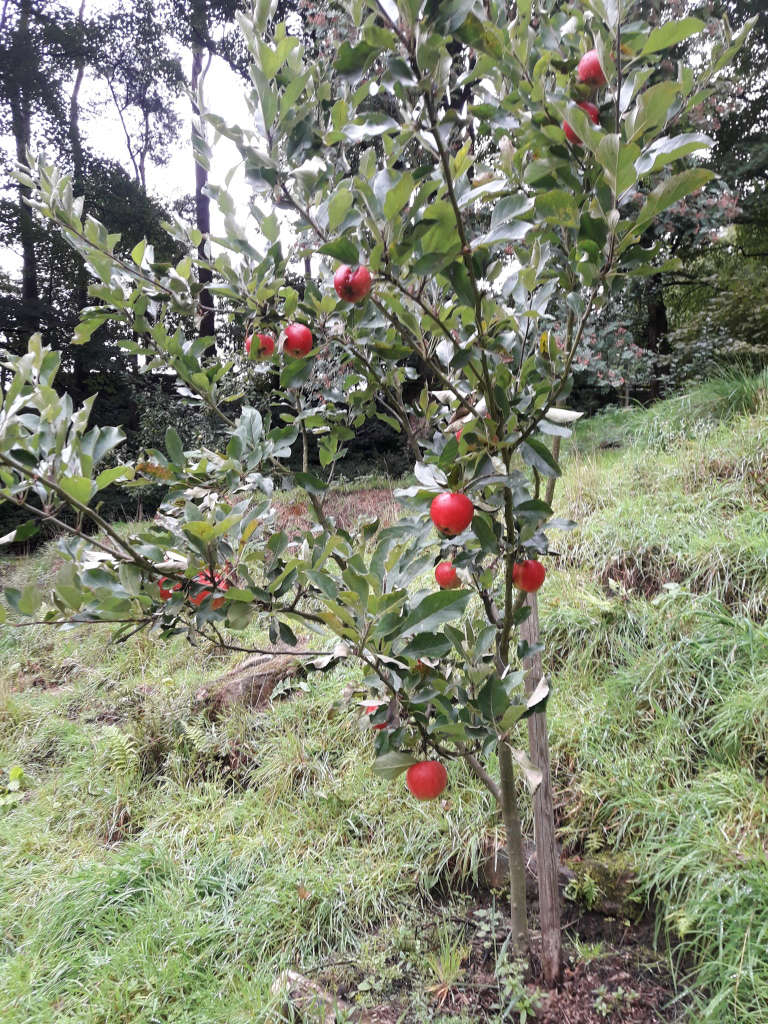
{"type": "Point", "coordinates": [484, 776]}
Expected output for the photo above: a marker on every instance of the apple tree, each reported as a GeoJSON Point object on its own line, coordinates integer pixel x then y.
{"type": "Point", "coordinates": [480, 161]}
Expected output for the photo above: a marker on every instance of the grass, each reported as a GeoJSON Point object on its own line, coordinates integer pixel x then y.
{"type": "Point", "coordinates": [163, 868]}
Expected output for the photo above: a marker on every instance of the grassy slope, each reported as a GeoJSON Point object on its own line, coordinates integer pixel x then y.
{"type": "Point", "coordinates": [161, 869]}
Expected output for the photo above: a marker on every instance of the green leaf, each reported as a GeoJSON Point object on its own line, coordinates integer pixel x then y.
{"type": "Point", "coordinates": [79, 488]}
{"type": "Point", "coordinates": [108, 476]}
{"type": "Point", "coordinates": [674, 32]}
{"type": "Point", "coordinates": [483, 530]}
{"type": "Point", "coordinates": [392, 764]}
{"type": "Point", "coordinates": [536, 454]}
{"type": "Point", "coordinates": [341, 249]}
{"type": "Point", "coordinates": [339, 206]}
{"type": "Point", "coordinates": [200, 529]}
{"type": "Point", "coordinates": [310, 483]}
{"type": "Point", "coordinates": [398, 195]}
{"type": "Point", "coordinates": [137, 252]}
{"type": "Point", "coordinates": [435, 609]}
{"type": "Point", "coordinates": [351, 60]}
{"type": "Point", "coordinates": [26, 601]}
{"type": "Point", "coordinates": [425, 645]}
{"type": "Point", "coordinates": [666, 194]}
{"type": "Point", "coordinates": [23, 532]}
{"type": "Point", "coordinates": [174, 448]}
{"type": "Point", "coordinates": [559, 207]}
{"type": "Point", "coordinates": [668, 148]}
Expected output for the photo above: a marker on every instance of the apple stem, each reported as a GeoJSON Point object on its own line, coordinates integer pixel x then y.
{"type": "Point", "coordinates": [514, 844]}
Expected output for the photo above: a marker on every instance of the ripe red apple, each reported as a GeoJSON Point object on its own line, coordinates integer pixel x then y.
{"type": "Point", "coordinates": [446, 576]}
{"type": "Point", "coordinates": [589, 70]}
{"type": "Point", "coordinates": [528, 575]}
{"type": "Point", "coordinates": [166, 594]}
{"type": "Point", "coordinates": [298, 340]}
{"type": "Point", "coordinates": [427, 779]}
{"type": "Point", "coordinates": [451, 513]}
{"type": "Point", "coordinates": [266, 345]}
{"type": "Point", "coordinates": [352, 285]}
{"type": "Point", "coordinates": [594, 115]}
{"type": "Point", "coordinates": [371, 709]}
{"type": "Point", "coordinates": [219, 584]}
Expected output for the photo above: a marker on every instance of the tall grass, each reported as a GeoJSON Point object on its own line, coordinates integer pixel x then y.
{"type": "Point", "coordinates": [164, 868]}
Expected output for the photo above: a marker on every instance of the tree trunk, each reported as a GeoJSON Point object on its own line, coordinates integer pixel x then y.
{"type": "Point", "coordinates": [514, 844]}
{"type": "Point", "coordinates": [547, 867]}
{"type": "Point", "coordinates": [21, 119]}
{"type": "Point", "coordinates": [658, 328]}
{"type": "Point", "coordinates": [80, 361]}
{"type": "Point", "coordinates": [207, 324]}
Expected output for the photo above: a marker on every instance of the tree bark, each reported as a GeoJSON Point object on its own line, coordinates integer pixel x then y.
{"type": "Point", "coordinates": [207, 324]}
{"type": "Point", "coordinates": [514, 844]}
{"type": "Point", "coordinates": [21, 120]}
{"type": "Point", "coordinates": [80, 362]}
{"type": "Point", "coordinates": [547, 868]}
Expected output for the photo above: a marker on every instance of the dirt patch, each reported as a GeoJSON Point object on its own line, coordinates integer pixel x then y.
{"type": "Point", "coordinates": [640, 573]}
{"type": "Point", "coordinates": [610, 974]}
{"type": "Point", "coordinates": [346, 508]}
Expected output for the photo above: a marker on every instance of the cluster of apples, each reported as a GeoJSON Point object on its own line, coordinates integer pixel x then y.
{"type": "Point", "coordinates": [452, 513]}
{"type": "Point", "coordinates": [350, 285]}
{"type": "Point", "coordinates": [589, 72]}
{"type": "Point", "coordinates": [298, 342]}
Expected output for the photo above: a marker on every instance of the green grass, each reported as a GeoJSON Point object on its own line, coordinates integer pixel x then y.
{"type": "Point", "coordinates": [163, 868]}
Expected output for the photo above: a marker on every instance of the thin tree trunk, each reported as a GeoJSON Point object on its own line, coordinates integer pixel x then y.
{"type": "Point", "coordinates": [202, 202]}
{"type": "Point", "coordinates": [543, 811]}
{"type": "Point", "coordinates": [80, 362]}
{"type": "Point", "coordinates": [21, 120]}
{"type": "Point", "coordinates": [515, 855]}
{"type": "Point", "coordinates": [543, 805]}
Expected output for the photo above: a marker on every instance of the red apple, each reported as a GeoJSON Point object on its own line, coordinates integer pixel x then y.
{"type": "Point", "coordinates": [458, 433]}
{"type": "Point", "coordinates": [528, 575]}
{"type": "Point", "coordinates": [594, 115]}
{"type": "Point", "coordinates": [371, 709]}
{"type": "Point", "coordinates": [589, 70]}
{"type": "Point", "coordinates": [352, 285]}
{"type": "Point", "coordinates": [298, 340]}
{"type": "Point", "coordinates": [219, 584]}
{"type": "Point", "coordinates": [166, 594]}
{"type": "Point", "coordinates": [446, 576]}
{"type": "Point", "coordinates": [451, 513]}
{"type": "Point", "coordinates": [266, 345]}
{"type": "Point", "coordinates": [427, 779]}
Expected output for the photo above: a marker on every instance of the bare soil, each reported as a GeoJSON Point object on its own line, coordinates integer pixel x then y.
{"type": "Point", "coordinates": [345, 507]}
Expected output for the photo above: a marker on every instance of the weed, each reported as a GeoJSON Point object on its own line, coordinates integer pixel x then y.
{"type": "Point", "coordinates": [608, 1002]}
{"type": "Point", "coordinates": [445, 964]}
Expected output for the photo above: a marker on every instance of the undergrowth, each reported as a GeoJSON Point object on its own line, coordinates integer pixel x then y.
{"type": "Point", "coordinates": [162, 867]}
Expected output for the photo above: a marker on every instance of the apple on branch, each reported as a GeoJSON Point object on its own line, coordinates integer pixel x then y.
{"type": "Point", "coordinates": [446, 576]}
{"type": "Point", "coordinates": [352, 285]}
{"type": "Point", "coordinates": [298, 340]}
{"type": "Point", "coordinates": [451, 513]}
{"type": "Point", "coordinates": [265, 348]}
{"type": "Point", "coordinates": [426, 779]}
{"type": "Point", "coordinates": [589, 70]}
{"type": "Point", "coordinates": [528, 575]}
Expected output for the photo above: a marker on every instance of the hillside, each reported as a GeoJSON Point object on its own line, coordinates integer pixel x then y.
{"type": "Point", "coordinates": [161, 867]}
